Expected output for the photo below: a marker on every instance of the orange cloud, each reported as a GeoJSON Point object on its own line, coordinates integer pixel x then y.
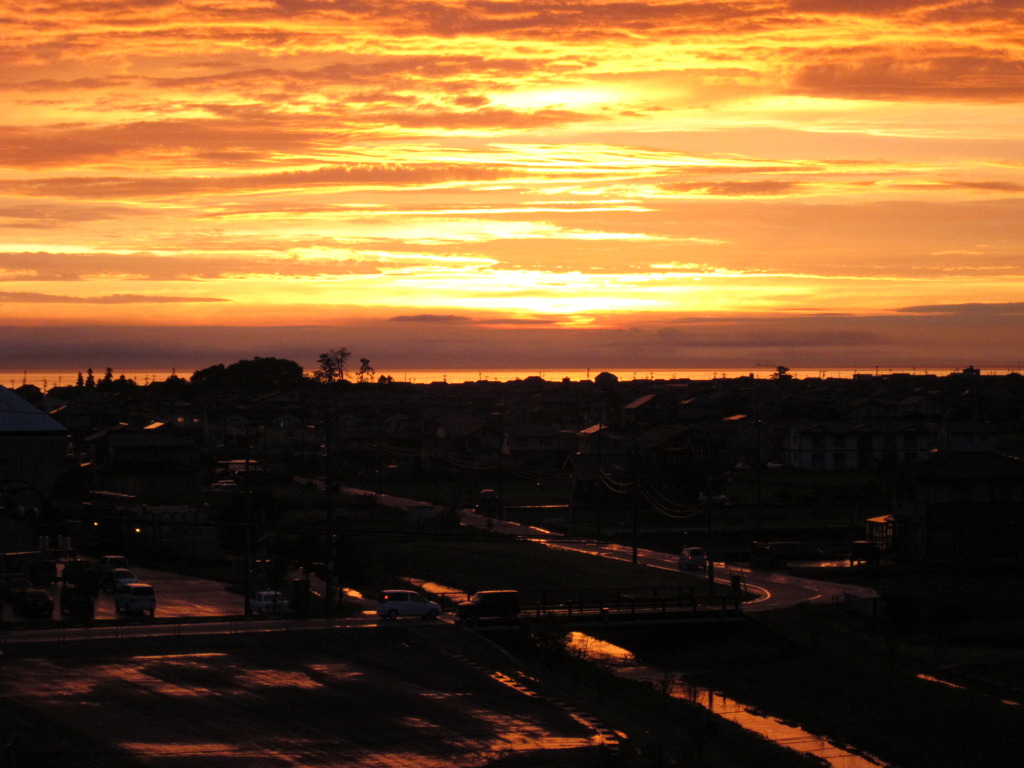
{"type": "Point", "coordinates": [515, 167]}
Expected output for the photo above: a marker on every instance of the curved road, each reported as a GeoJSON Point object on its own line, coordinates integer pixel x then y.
{"type": "Point", "coordinates": [775, 590]}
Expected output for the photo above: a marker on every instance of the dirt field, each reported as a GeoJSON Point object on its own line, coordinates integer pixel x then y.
{"type": "Point", "coordinates": [394, 697]}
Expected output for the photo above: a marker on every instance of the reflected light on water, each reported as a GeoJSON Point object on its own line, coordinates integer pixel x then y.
{"type": "Point", "coordinates": [949, 684]}
{"type": "Point", "coordinates": [931, 679]}
{"type": "Point", "coordinates": [596, 649]}
{"type": "Point", "coordinates": [179, 656]}
{"type": "Point", "coordinates": [177, 750]}
{"type": "Point", "coordinates": [622, 662]}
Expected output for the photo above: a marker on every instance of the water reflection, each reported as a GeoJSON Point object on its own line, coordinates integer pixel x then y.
{"type": "Point", "coordinates": [622, 662]}
{"type": "Point", "coordinates": [950, 684]}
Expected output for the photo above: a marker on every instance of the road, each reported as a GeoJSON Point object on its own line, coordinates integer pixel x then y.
{"type": "Point", "coordinates": [773, 590]}
{"type": "Point", "coordinates": [189, 599]}
{"type": "Point", "coordinates": [399, 696]}
{"type": "Point", "coordinates": [178, 596]}
{"type": "Point", "coordinates": [246, 691]}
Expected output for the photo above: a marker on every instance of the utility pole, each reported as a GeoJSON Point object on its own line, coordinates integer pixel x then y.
{"type": "Point", "coordinates": [329, 501]}
{"type": "Point", "coordinates": [246, 579]}
{"type": "Point", "coordinates": [636, 492]}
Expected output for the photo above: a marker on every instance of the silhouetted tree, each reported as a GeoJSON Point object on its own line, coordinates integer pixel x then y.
{"type": "Point", "coordinates": [257, 375]}
{"type": "Point", "coordinates": [365, 369]}
{"type": "Point", "coordinates": [173, 386]}
{"type": "Point", "coordinates": [332, 366]}
{"type": "Point", "coordinates": [108, 381]}
{"type": "Point", "coordinates": [121, 384]}
{"type": "Point", "coordinates": [214, 377]}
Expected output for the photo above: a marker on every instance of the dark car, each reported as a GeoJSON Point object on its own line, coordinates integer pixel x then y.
{"type": "Point", "coordinates": [83, 573]}
{"type": "Point", "coordinates": [76, 601]}
{"type": "Point", "coordinates": [691, 558]}
{"type": "Point", "coordinates": [15, 586]}
{"type": "Point", "coordinates": [490, 604]}
{"type": "Point", "coordinates": [489, 503]}
{"type": "Point", "coordinates": [35, 603]}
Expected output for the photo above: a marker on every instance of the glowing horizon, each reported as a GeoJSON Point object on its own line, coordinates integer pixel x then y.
{"type": "Point", "coordinates": [690, 176]}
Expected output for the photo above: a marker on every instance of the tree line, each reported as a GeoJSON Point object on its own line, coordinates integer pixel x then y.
{"type": "Point", "coordinates": [259, 373]}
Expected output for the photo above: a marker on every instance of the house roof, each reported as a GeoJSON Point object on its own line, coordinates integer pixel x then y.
{"type": "Point", "coordinates": [32, 445]}
{"type": "Point", "coordinates": [17, 416]}
{"type": "Point", "coordinates": [641, 401]}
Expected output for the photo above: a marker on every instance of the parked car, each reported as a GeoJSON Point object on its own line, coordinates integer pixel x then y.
{"type": "Point", "coordinates": [268, 602]}
{"type": "Point", "coordinates": [35, 603]}
{"type": "Point", "coordinates": [113, 561]}
{"type": "Point", "coordinates": [116, 576]}
{"type": "Point", "coordinates": [83, 573]}
{"type": "Point", "coordinates": [15, 586]}
{"type": "Point", "coordinates": [42, 571]}
{"type": "Point", "coordinates": [76, 601]}
{"type": "Point", "coordinates": [492, 603]}
{"type": "Point", "coordinates": [693, 558]}
{"type": "Point", "coordinates": [135, 598]}
{"type": "Point", "coordinates": [393, 603]}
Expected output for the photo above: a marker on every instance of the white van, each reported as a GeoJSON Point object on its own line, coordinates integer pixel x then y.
{"type": "Point", "coordinates": [135, 598]}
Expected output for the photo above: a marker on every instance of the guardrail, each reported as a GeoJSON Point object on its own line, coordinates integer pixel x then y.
{"type": "Point", "coordinates": [125, 630]}
{"type": "Point", "coordinates": [639, 604]}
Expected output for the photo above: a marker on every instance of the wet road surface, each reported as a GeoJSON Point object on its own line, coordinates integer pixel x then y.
{"type": "Point", "coordinates": [393, 697]}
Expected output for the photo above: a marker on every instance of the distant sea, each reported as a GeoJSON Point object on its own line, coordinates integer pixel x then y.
{"type": "Point", "coordinates": [46, 380]}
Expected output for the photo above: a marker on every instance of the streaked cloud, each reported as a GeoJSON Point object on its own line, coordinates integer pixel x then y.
{"type": "Point", "coordinates": [836, 177]}
{"type": "Point", "coordinates": [14, 297]}
{"type": "Point", "coordinates": [1013, 309]}
{"type": "Point", "coordinates": [439, 319]}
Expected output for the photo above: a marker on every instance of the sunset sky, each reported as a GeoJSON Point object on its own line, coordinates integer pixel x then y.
{"type": "Point", "coordinates": [498, 184]}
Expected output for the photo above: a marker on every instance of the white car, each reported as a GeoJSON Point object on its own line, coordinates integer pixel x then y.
{"type": "Point", "coordinates": [118, 576]}
{"type": "Point", "coordinates": [123, 576]}
{"type": "Point", "coordinates": [692, 558]}
{"type": "Point", "coordinates": [135, 598]}
{"type": "Point", "coordinates": [268, 602]}
{"type": "Point", "coordinates": [393, 603]}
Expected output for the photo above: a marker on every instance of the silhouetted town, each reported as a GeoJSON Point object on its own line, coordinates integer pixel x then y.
{"type": "Point", "coordinates": [922, 467]}
{"type": "Point", "coordinates": [840, 553]}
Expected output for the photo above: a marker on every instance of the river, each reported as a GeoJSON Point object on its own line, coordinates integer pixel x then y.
{"type": "Point", "coordinates": [623, 663]}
